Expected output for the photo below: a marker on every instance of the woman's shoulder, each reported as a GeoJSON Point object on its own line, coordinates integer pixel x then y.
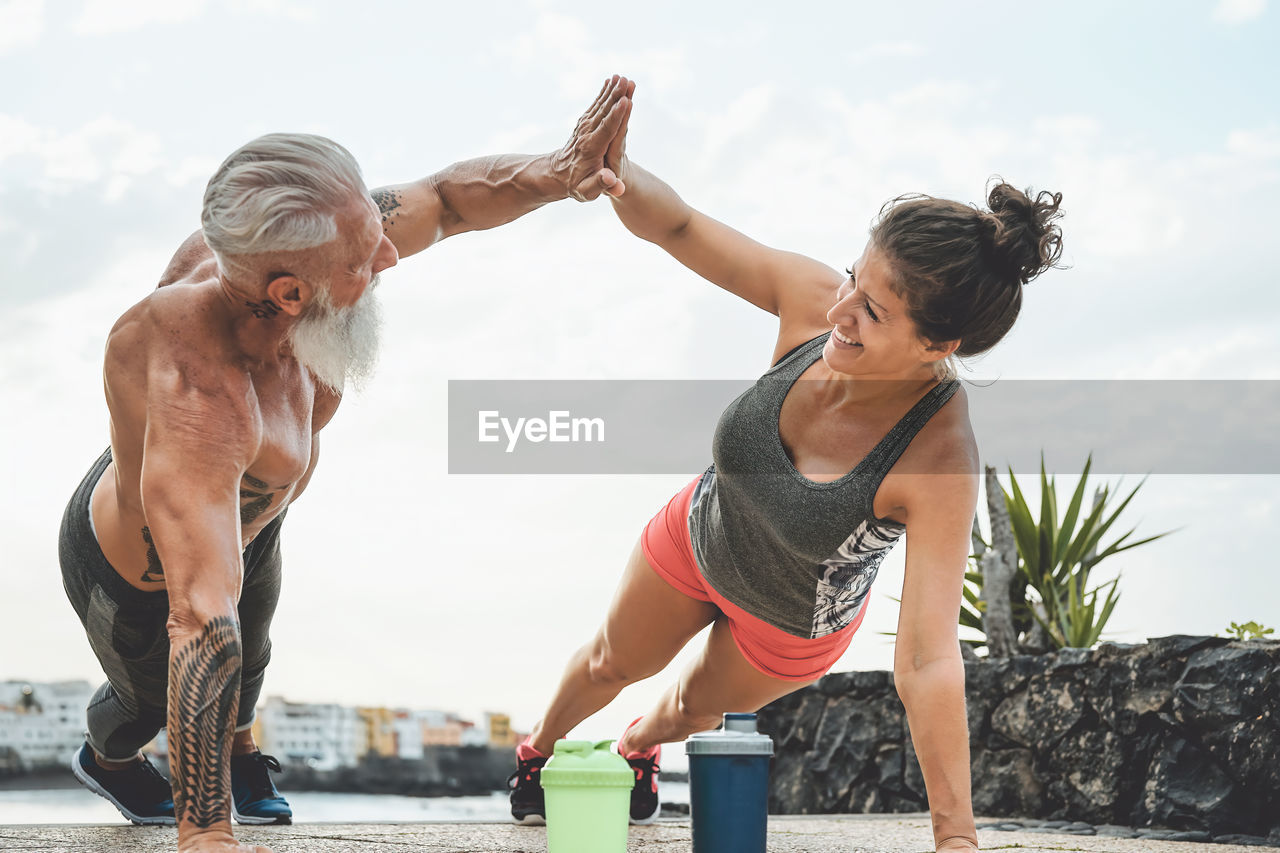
{"type": "Point", "coordinates": [945, 446]}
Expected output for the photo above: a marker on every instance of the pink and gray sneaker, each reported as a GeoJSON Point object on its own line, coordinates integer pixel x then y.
{"type": "Point", "coordinates": [644, 794]}
{"type": "Point", "coordinates": [528, 806]}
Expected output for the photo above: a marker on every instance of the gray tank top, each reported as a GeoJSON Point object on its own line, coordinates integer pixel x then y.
{"type": "Point", "coordinates": [797, 554]}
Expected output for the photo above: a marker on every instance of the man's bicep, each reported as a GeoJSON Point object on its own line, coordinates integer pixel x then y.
{"type": "Point", "coordinates": [414, 215]}
{"type": "Point", "coordinates": [197, 447]}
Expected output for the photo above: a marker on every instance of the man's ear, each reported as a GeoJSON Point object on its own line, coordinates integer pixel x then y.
{"type": "Point", "coordinates": [288, 294]}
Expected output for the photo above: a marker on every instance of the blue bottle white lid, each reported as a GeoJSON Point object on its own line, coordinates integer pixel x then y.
{"type": "Point", "coordinates": [737, 737]}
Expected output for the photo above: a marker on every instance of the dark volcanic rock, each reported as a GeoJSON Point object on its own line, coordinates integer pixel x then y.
{"type": "Point", "coordinates": [1084, 772]}
{"type": "Point", "coordinates": [1180, 732]}
{"type": "Point", "coordinates": [1186, 789]}
{"type": "Point", "coordinates": [1220, 686]}
{"type": "Point", "coordinates": [1010, 784]}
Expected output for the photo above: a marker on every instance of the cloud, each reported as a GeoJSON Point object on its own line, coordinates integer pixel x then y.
{"type": "Point", "coordinates": [103, 149]}
{"type": "Point", "coordinates": [1262, 144]}
{"type": "Point", "coordinates": [887, 50]}
{"type": "Point", "coordinates": [274, 8]}
{"type": "Point", "coordinates": [21, 22]}
{"type": "Point", "coordinates": [104, 17]}
{"type": "Point", "coordinates": [1239, 11]}
{"type": "Point", "coordinates": [1237, 352]}
{"type": "Point", "coordinates": [738, 119]}
{"type": "Point", "coordinates": [578, 58]}
{"type": "Point", "coordinates": [101, 17]}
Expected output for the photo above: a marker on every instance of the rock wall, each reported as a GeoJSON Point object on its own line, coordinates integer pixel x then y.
{"type": "Point", "coordinates": [1182, 732]}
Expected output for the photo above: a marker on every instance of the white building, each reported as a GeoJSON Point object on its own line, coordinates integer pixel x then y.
{"type": "Point", "coordinates": [473, 735]}
{"type": "Point", "coordinates": [407, 726]}
{"type": "Point", "coordinates": [41, 724]}
{"type": "Point", "coordinates": [440, 728]}
{"type": "Point", "coordinates": [325, 737]}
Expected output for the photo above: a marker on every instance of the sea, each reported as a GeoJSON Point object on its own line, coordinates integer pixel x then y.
{"type": "Point", "coordinates": [78, 805]}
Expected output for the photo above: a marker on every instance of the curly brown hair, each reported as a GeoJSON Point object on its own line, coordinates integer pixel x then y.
{"type": "Point", "coordinates": [960, 269]}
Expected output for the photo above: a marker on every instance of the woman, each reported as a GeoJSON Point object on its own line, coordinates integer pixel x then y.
{"type": "Point", "coordinates": [818, 471]}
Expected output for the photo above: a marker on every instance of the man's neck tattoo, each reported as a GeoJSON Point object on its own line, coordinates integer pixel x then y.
{"type": "Point", "coordinates": [264, 310]}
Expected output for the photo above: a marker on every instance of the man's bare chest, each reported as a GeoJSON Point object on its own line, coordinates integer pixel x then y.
{"type": "Point", "coordinates": [290, 414]}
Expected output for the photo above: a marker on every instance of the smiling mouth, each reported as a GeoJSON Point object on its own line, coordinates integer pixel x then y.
{"type": "Point", "coordinates": [843, 339]}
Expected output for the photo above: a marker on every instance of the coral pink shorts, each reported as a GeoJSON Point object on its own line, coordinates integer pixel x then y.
{"type": "Point", "coordinates": [770, 650]}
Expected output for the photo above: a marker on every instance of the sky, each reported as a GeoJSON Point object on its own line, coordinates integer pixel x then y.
{"type": "Point", "coordinates": [794, 123]}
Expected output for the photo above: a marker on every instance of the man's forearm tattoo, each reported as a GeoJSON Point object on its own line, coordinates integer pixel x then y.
{"type": "Point", "coordinates": [204, 696]}
{"type": "Point", "coordinates": [154, 572]}
{"type": "Point", "coordinates": [388, 202]}
{"type": "Point", "coordinates": [254, 499]}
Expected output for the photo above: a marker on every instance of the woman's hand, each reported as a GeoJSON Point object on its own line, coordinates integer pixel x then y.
{"type": "Point", "coordinates": [615, 158]}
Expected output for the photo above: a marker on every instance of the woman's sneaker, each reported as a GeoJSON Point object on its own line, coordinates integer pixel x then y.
{"type": "Point", "coordinates": [644, 794]}
{"type": "Point", "coordinates": [528, 805]}
{"type": "Point", "coordinates": [139, 791]}
{"type": "Point", "coordinates": [254, 798]}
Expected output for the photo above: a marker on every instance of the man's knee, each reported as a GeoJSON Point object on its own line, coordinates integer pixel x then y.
{"type": "Point", "coordinates": [256, 657]}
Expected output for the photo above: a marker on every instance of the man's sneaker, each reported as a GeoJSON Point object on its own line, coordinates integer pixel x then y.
{"type": "Point", "coordinates": [254, 798]}
{"type": "Point", "coordinates": [528, 805]}
{"type": "Point", "coordinates": [644, 794]}
{"type": "Point", "coordinates": [140, 793]}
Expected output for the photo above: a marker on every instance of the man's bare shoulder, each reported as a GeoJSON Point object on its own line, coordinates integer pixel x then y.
{"type": "Point", "coordinates": [184, 328]}
{"type": "Point", "coordinates": [193, 261]}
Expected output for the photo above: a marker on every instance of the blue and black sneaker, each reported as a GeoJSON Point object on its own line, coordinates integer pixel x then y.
{"type": "Point", "coordinates": [254, 798]}
{"type": "Point", "coordinates": [139, 791]}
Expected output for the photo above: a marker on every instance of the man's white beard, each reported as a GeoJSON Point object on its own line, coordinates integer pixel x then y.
{"type": "Point", "coordinates": [339, 344]}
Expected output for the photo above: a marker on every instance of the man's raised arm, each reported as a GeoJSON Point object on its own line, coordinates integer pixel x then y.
{"type": "Point", "coordinates": [490, 191]}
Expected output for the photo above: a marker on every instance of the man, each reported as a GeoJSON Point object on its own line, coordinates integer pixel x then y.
{"type": "Point", "coordinates": [218, 384]}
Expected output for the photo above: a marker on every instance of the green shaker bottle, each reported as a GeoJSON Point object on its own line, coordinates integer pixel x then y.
{"type": "Point", "coordinates": [588, 795]}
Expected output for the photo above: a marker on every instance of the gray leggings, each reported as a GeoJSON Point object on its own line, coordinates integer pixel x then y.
{"type": "Point", "coordinates": [126, 628]}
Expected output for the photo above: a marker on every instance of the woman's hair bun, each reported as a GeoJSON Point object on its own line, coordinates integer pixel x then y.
{"type": "Point", "coordinates": [1020, 234]}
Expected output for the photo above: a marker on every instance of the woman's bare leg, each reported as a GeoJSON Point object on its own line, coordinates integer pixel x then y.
{"type": "Point", "coordinates": [648, 622]}
{"type": "Point", "coordinates": [718, 682]}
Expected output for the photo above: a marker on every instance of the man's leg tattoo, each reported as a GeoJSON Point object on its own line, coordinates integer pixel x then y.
{"type": "Point", "coordinates": [204, 693]}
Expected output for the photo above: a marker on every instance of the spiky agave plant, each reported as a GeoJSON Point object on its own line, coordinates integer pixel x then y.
{"type": "Point", "coordinates": [1055, 560]}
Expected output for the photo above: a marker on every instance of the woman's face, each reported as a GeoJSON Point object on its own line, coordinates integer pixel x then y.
{"type": "Point", "coordinates": [872, 335]}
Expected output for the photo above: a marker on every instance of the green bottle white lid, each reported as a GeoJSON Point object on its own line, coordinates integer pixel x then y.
{"type": "Point", "coordinates": [586, 764]}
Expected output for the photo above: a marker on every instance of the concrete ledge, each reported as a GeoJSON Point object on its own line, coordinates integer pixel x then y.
{"type": "Point", "coordinates": [790, 834]}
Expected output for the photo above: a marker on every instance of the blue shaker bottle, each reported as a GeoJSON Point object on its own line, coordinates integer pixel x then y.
{"type": "Point", "coordinates": [729, 786]}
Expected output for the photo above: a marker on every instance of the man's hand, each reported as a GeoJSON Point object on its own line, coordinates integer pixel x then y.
{"type": "Point", "coordinates": [594, 159]}
{"type": "Point", "coordinates": [221, 844]}
{"type": "Point", "coordinates": [958, 844]}
{"type": "Point", "coordinates": [490, 191]}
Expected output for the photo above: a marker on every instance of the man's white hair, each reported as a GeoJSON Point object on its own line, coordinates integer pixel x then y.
{"type": "Point", "coordinates": [279, 192]}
